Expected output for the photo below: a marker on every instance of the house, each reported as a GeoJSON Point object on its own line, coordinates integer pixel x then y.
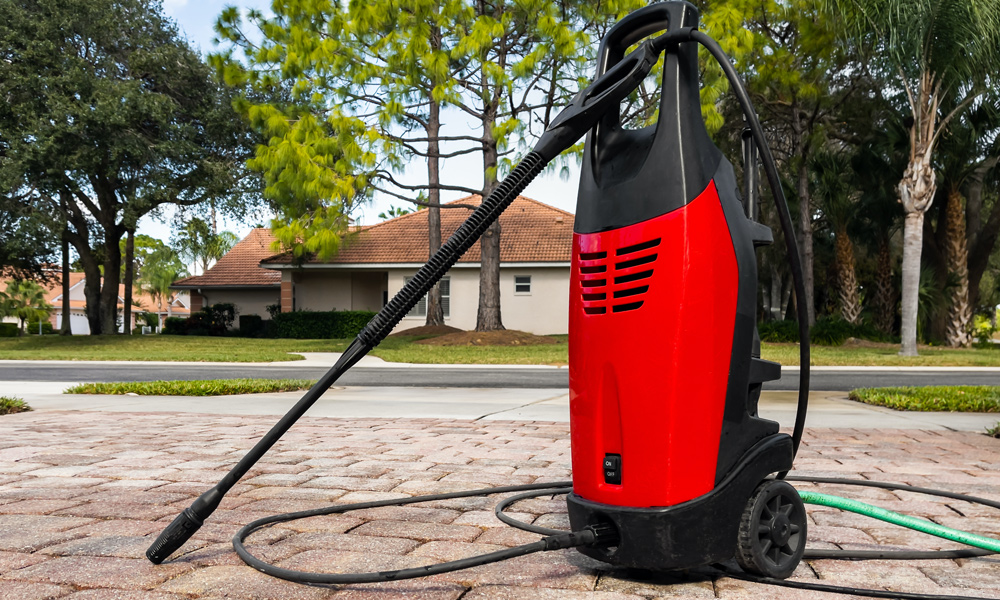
{"type": "Point", "coordinates": [375, 262]}
{"type": "Point", "coordinates": [238, 278]}
{"type": "Point", "coordinates": [178, 306]}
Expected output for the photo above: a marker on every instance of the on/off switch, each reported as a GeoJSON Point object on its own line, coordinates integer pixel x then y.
{"type": "Point", "coordinates": [613, 469]}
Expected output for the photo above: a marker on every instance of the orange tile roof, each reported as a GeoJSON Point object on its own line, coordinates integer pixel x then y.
{"type": "Point", "coordinates": [530, 232]}
{"type": "Point", "coordinates": [240, 267]}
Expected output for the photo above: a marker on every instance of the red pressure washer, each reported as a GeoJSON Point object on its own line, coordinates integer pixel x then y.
{"type": "Point", "coordinates": [664, 367]}
{"type": "Point", "coordinates": [673, 467]}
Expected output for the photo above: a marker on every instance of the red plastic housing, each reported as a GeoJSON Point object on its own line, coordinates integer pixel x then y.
{"type": "Point", "coordinates": [652, 311]}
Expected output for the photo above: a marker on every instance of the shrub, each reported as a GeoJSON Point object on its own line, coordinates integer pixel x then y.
{"type": "Point", "coordinates": [32, 328]}
{"type": "Point", "coordinates": [175, 326]}
{"type": "Point", "coordinates": [834, 331]}
{"type": "Point", "coordinates": [830, 331]}
{"type": "Point", "coordinates": [10, 405]}
{"type": "Point", "coordinates": [251, 325]}
{"type": "Point", "coordinates": [321, 325]}
{"type": "Point", "coordinates": [778, 331]}
{"type": "Point", "coordinates": [8, 329]}
{"type": "Point", "coordinates": [273, 310]}
{"type": "Point", "coordinates": [983, 330]}
{"type": "Point", "coordinates": [212, 320]}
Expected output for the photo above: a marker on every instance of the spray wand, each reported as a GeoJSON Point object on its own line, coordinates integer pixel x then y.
{"type": "Point", "coordinates": [569, 126]}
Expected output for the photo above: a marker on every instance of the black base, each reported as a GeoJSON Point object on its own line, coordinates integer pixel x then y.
{"type": "Point", "coordinates": [698, 532]}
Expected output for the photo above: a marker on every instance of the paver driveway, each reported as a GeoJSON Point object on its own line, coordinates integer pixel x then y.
{"type": "Point", "coordinates": [82, 494]}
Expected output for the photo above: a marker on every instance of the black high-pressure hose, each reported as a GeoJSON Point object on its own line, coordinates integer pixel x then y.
{"type": "Point", "coordinates": [571, 124]}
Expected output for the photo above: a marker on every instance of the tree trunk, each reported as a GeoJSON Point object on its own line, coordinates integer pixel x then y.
{"type": "Point", "coordinates": [129, 274]}
{"type": "Point", "coordinates": [91, 287]}
{"type": "Point", "coordinates": [884, 302]}
{"type": "Point", "coordinates": [67, 328]}
{"type": "Point", "coordinates": [435, 311]}
{"type": "Point", "coordinates": [112, 275]}
{"type": "Point", "coordinates": [913, 227]}
{"type": "Point", "coordinates": [488, 317]}
{"type": "Point", "coordinates": [850, 301]}
{"type": "Point", "coordinates": [958, 333]}
{"type": "Point", "coordinates": [777, 297]}
{"type": "Point", "coordinates": [806, 239]}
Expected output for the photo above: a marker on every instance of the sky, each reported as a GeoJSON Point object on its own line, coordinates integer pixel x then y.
{"type": "Point", "coordinates": [195, 19]}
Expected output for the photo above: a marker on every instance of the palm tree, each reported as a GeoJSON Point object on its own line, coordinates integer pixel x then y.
{"type": "Point", "coordinates": [161, 269]}
{"type": "Point", "coordinates": [935, 49]}
{"type": "Point", "coordinates": [24, 300]}
{"type": "Point", "coordinates": [832, 184]}
{"type": "Point", "coordinates": [969, 152]}
{"type": "Point", "coordinates": [196, 242]}
{"type": "Point", "coordinates": [881, 213]}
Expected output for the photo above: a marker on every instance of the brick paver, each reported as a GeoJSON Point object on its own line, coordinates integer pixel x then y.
{"type": "Point", "coordinates": [83, 494]}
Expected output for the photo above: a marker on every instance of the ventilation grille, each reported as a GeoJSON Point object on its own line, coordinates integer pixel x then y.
{"type": "Point", "coordinates": [616, 283]}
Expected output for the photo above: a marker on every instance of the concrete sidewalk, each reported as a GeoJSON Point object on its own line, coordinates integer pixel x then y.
{"type": "Point", "coordinates": [83, 493]}
{"type": "Point", "coordinates": [827, 409]}
{"type": "Point", "coordinates": [328, 359]}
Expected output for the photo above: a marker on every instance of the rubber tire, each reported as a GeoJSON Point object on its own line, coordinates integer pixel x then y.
{"type": "Point", "coordinates": [759, 552]}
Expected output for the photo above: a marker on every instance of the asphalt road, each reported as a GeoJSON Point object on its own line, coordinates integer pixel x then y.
{"type": "Point", "coordinates": [460, 377]}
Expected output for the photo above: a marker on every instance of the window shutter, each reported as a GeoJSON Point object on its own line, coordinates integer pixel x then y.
{"type": "Point", "coordinates": [445, 285]}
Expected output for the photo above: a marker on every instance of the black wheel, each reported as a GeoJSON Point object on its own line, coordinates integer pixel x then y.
{"type": "Point", "coordinates": [772, 531]}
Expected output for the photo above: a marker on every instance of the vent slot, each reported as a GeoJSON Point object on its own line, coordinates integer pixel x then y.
{"type": "Point", "coordinates": [632, 292]}
{"type": "Point", "coordinates": [624, 307]}
{"type": "Point", "coordinates": [595, 255]}
{"type": "Point", "coordinates": [597, 269]}
{"type": "Point", "coordinates": [594, 282]}
{"type": "Point", "coordinates": [594, 297]}
{"type": "Point", "coordinates": [633, 277]}
{"type": "Point", "coordinates": [595, 310]}
{"type": "Point", "coordinates": [635, 262]}
{"type": "Point", "coordinates": [638, 247]}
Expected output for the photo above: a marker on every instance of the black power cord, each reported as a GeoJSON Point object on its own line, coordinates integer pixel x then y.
{"type": "Point", "coordinates": [596, 536]}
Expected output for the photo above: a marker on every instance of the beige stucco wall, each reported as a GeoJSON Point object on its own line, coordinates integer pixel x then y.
{"type": "Point", "coordinates": [544, 311]}
{"type": "Point", "coordinates": [248, 302]}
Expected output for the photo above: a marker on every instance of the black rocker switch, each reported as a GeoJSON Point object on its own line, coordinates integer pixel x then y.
{"type": "Point", "coordinates": [613, 469]}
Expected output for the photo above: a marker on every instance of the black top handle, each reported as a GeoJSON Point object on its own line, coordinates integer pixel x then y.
{"type": "Point", "coordinates": [663, 16]}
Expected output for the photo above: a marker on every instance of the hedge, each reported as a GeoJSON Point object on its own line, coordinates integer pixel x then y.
{"type": "Point", "coordinates": [321, 325]}
{"type": "Point", "coordinates": [212, 320]}
{"type": "Point", "coordinates": [8, 330]}
{"type": "Point", "coordinates": [32, 328]}
{"type": "Point", "coordinates": [828, 331]}
{"type": "Point", "coordinates": [251, 326]}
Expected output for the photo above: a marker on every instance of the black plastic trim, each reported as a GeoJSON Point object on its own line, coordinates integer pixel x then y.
{"type": "Point", "coordinates": [691, 534]}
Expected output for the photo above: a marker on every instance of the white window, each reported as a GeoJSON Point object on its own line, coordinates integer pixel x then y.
{"type": "Point", "coordinates": [420, 310]}
{"type": "Point", "coordinates": [522, 284]}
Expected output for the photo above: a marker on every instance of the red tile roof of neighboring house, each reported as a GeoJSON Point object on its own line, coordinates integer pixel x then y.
{"type": "Point", "coordinates": [530, 232]}
{"type": "Point", "coordinates": [240, 267]}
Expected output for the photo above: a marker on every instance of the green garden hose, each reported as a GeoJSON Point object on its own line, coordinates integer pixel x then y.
{"type": "Point", "coordinates": [916, 523]}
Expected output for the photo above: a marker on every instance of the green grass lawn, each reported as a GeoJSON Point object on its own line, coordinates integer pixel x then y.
{"type": "Point", "coordinates": [215, 387]}
{"type": "Point", "coordinates": [954, 398]}
{"type": "Point", "coordinates": [883, 355]}
{"type": "Point", "coordinates": [160, 347]}
{"type": "Point", "coordinates": [402, 349]}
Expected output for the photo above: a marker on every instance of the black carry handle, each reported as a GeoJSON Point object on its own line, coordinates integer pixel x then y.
{"type": "Point", "coordinates": [670, 17]}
